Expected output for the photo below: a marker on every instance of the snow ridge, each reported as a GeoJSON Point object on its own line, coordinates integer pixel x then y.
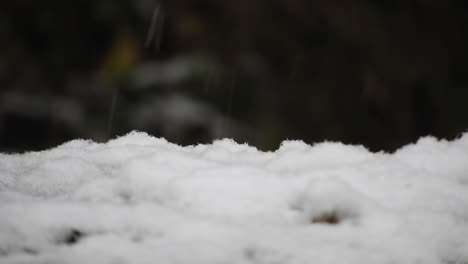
{"type": "Point", "coordinates": [140, 199]}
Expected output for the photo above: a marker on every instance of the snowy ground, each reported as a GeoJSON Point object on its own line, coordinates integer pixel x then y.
{"type": "Point", "coordinates": [139, 199]}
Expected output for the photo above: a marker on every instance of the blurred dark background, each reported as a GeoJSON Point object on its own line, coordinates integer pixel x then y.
{"type": "Point", "coordinates": [372, 72]}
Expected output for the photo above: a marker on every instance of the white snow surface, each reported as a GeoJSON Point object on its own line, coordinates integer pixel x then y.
{"type": "Point", "coordinates": [140, 199]}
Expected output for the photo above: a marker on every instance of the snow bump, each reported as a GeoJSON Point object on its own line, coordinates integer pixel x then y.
{"type": "Point", "coordinates": [140, 199]}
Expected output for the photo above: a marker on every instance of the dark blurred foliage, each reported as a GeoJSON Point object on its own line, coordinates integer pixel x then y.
{"type": "Point", "coordinates": [372, 72]}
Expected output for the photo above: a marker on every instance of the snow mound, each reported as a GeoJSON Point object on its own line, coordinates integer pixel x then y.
{"type": "Point", "coordinates": [139, 199]}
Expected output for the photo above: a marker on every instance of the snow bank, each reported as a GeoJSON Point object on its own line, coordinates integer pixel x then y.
{"type": "Point", "coordinates": [139, 199]}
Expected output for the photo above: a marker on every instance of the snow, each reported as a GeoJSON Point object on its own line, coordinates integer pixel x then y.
{"type": "Point", "coordinates": [139, 199]}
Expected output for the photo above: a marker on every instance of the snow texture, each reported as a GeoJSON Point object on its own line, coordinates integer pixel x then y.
{"type": "Point", "coordinates": [139, 199]}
